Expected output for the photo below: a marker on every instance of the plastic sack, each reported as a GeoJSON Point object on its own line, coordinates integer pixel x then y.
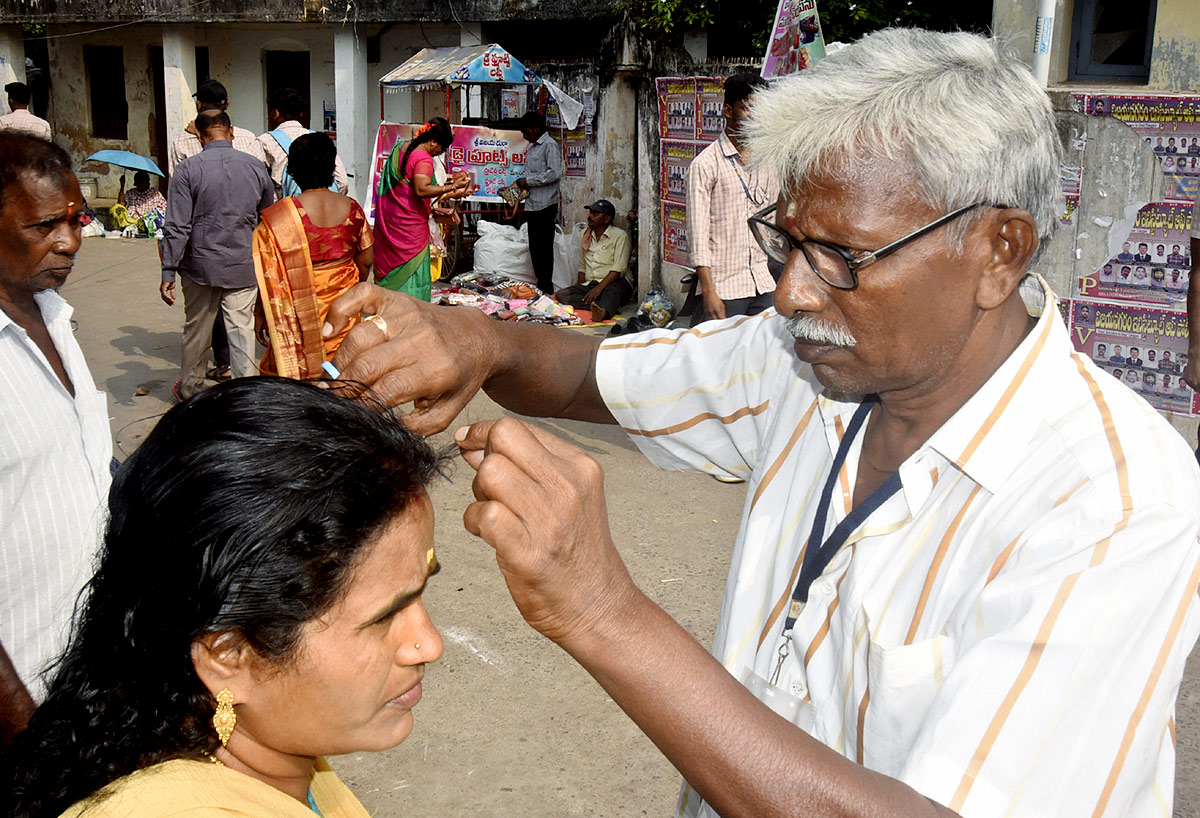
{"type": "Point", "coordinates": [504, 250]}
{"type": "Point", "coordinates": [656, 310]}
{"type": "Point", "coordinates": [566, 255]}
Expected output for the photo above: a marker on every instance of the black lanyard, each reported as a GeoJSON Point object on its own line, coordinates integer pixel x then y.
{"type": "Point", "coordinates": [754, 200]}
{"type": "Point", "coordinates": [817, 558]}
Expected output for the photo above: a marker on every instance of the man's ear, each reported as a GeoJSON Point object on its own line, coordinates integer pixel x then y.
{"type": "Point", "coordinates": [223, 659]}
{"type": "Point", "coordinates": [1011, 239]}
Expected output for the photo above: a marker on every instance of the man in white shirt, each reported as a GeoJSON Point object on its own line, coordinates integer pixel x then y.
{"type": "Point", "coordinates": [966, 577]}
{"type": "Point", "coordinates": [21, 119]}
{"type": "Point", "coordinates": [284, 109]}
{"type": "Point", "coordinates": [55, 443]}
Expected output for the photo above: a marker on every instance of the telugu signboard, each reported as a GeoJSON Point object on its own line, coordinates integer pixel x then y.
{"type": "Point", "coordinates": [796, 41]}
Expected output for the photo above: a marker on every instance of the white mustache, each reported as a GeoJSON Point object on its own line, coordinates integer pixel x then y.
{"type": "Point", "coordinates": [816, 331]}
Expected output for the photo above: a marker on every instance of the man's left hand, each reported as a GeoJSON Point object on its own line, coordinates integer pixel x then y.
{"type": "Point", "coordinates": [167, 291]}
{"type": "Point", "coordinates": [592, 294]}
{"type": "Point", "coordinates": [521, 183]}
{"type": "Point", "coordinates": [540, 504]}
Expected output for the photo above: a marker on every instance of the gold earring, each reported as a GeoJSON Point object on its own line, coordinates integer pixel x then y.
{"type": "Point", "coordinates": [224, 719]}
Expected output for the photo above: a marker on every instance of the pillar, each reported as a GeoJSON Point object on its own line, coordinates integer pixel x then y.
{"type": "Point", "coordinates": [179, 78]}
{"type": "Point", "coordinates": [355, 135]}
{"type": "Point", "coordinates": [12, 60]}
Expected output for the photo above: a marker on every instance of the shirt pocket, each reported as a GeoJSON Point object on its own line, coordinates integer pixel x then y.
{"type": "Point", "coordinates": [903, 682]}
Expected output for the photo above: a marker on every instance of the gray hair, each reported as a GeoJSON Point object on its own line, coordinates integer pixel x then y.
{"type": "Point", "coordinates": [964, 114]}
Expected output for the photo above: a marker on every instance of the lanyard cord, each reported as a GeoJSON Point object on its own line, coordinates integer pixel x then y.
{"type": "Point", "coordinates": [753, 199]}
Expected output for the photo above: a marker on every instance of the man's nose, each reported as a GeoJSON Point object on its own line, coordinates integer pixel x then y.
{"type": "Point", "coordinates": [800, 289]}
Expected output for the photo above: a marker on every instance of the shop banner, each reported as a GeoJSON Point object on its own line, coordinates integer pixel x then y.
{"type": "Point", "coordinates": [1170, 125]}
{"type": "Point", "coordinates": [675, 157]}
{"type": "Point", "coordinates": [796, 41]}
{"type": "Point", "coordinates": [677, 107]}
{"type": "Point", "coordinates": [492, 158]}
{"type": "Point", "coordinates": [1145, 347]}
{"type": "Point", "coordinates": [1153, 264]}
{"type": "Point", "coordinates": [675, 233]}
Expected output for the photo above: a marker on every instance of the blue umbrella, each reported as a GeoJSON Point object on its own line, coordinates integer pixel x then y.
{"type": "Point", "coordinates": [125, 159]}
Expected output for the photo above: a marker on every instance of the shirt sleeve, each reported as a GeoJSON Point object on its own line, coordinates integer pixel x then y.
{"type": "Point", "coordinates": [340, 179]}
{"type": "Point", "coordinates": [177, 225]}
{"type": "Point", "coordinates": [1082, 611]}
{"type": "Point", "coordinates": [551, 153]}
{"type": "Point", "coordinates": [621, 253]}
{"type": "Point", "coordinates": [700, 399]}
{"type": "Point", "coordinates": [700, 181]}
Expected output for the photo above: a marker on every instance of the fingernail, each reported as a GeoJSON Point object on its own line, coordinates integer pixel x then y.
{"type": "Point", "coordinates": [460, 434]}
{"type": "Point", "coordinates": [326, 330]}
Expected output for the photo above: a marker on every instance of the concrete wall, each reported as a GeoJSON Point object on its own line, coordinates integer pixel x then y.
{"type": "Point", "coordinates": [12, 60]}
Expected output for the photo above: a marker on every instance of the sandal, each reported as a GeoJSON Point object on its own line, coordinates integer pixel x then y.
{"type": "Point", "coordinates": [218, 373]}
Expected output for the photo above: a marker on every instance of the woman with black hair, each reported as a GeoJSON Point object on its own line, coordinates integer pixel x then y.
{"type": "Point", "coordinates": [308, 250]}
{"type": "Point", "coordinates": [257, 606]}
{"type": "Point", "coordinates": [406, 193]}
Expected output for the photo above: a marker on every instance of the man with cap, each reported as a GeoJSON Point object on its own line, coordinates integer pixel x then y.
{"type": "Point", "coordinates": [543, 170]}
{"type": "Point", "coordinates": [603, 284]}
{"type": "Point", "coordinates": [21, 119]}
{"type": "Point", "coordinates": [211, 95]}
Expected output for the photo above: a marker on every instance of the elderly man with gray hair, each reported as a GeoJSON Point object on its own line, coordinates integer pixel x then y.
{"type": "Point", "coordinates": [966, 576]}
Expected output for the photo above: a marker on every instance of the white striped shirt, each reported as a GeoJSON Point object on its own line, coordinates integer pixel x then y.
{"type": "Point", "coordinates": [55, 452]}
{"type": "Point", "coordinates": [1007, 633]}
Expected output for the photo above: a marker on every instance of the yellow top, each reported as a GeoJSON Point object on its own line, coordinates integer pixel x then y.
{"type": "Point", "coordinates": [201, 789]}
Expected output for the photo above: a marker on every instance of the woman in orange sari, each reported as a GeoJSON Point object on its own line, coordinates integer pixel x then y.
{"type": "Point", "coordinates": [308, 250]}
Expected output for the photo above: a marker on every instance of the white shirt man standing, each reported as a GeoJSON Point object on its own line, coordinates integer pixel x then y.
{"type": "Point", "coordinates": [21, 119]}
{"type": "Point", "coordinates": [284, 109]}
{"type": "Point", "coordinates": [55, 442]}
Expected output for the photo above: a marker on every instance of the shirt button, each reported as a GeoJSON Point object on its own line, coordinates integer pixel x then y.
{"type": "Point", "coordinates": [825, 587]}
{"type": "Point", "coordinates": [798, 688]}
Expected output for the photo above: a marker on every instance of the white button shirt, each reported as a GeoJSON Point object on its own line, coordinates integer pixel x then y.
{"type": "Point", "coordinates": [55, 452]}
{"type": "Point", "coordinates": [1008, 632]}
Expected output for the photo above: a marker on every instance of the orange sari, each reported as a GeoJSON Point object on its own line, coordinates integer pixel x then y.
{"type": "Point", "coordinates": [296, 292]}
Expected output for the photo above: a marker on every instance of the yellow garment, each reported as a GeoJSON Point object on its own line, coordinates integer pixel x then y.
{"type": "Point", "coordinates": [600, 255]}
{"type": "Point", "coordinates": [201, 789]}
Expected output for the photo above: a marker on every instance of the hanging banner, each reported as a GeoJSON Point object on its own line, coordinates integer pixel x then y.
{"type": "Point", "coordinates": [796, 41]}
{"type": "Point", "coordinates": [491, 157]}
{"type": "Point", "coordinates": [1145, 347]}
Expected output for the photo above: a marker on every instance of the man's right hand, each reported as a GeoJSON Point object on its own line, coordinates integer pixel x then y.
{"type": "Point", "coordinates": [1191, 373]}
{"type": "Point", "coordinates": [714, 307]}
{"type": "Point", "coordinates": [167, 291]}
{"type": "Point", "coordinates": [437, 357]}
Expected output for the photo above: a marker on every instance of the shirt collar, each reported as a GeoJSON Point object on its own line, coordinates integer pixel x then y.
{"type": "Point", "coordinates": [51, 305]}
{"type": "Point", "coordinates": [987, 437]}
{"type": "Point", "coordinates": [219, 143]}
{"type": "Point", "coordinates": [726, 146]}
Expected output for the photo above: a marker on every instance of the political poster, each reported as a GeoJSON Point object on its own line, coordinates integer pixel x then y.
{"type": "Point", "coordinates": [492, 158]}
{"type": "Point", "coordinates": [575, 152]}
{"type": "Point", "coordinates": [675, 157]}
{"type": "Point", "coordinates": [796, 41]}
{"type": "Point", "coordinates": [1153, 264]}
{"type": "Point", "coordinates": [510, 103]}
{"type": "Point", "coordinates": [710, 103]}
{"type": "Point", "coordinates": [1145, 347]}
{"type": "Point", "coordinates": [1170, 125]}
{"type": "Point", "coordinates": [675, 233]}
{"type": "Point", "coordinates": [677, 107]}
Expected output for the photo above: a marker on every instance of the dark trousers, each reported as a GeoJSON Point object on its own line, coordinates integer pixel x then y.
{"type": "Point", "coordinates": [220, 341]}
{"type": "Point", "coordinates": [610, 299]}
{"type": "Point", "coordinates": [736, 306]}
{"type": "Point", "coordinates": [541, 244]}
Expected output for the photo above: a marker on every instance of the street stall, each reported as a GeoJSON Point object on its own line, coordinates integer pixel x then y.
{"type": "Point", "coordinates": [491, 155]}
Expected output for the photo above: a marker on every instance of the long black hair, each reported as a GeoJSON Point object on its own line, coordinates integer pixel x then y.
{"type": "Point", "coordinates": [243, 511]}
{"type": "Point", "coordinates": [435, 130]}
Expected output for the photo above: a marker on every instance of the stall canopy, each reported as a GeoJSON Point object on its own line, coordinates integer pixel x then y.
{"type": "Point", "coordinates": [455, 65]}
{"type": "Point", "coordinates": [473, 65]}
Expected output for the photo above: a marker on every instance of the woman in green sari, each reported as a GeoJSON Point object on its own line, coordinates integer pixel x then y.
{"type": "Point", "coordinates": [407, 192]}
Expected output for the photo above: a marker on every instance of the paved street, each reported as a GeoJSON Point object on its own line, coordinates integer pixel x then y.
{"type": "Point", "coordinates": [509, 725]}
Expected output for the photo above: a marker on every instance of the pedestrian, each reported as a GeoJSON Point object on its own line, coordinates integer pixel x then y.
{"type": "Point", "coordinates": [211, 96]}
{"type": "Point", "coordinates": [543, 170]}
{"type": "Point", "coordinates": [212, 209]}
{"type": "Point", "coordinates": [55, 443]}
{"type": "Point", "coordinates": [284, 109]}
{"type": "Point", "coordinates": [723, 191]}
{"type": "Point", "coordinates": [953, 521]}
{"type": "Point", "coordinates": [21, 118]}
{"type": "Point", "coordinates": [603, 283]}
{"type": "Point", "coordinates": [407, 192]}
{"type": "Point", "coordinates": [308, 250]}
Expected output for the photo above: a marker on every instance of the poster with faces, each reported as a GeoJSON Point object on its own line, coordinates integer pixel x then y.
{"type": "Point", "coordinates": [690, 115]}
{"type": "Point", "coordinates": [1170, 126]}
{"type": "Point", "coordinates": [1152, 265]}
{"type": "Point", "coordinates": [1144, 347]}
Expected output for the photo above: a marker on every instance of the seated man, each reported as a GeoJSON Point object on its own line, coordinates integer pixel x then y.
{"type": "Point", "coordinates": [143, 200]}
{"type": "Point", "coordinates": [604, 280]}
{"type": "Point", "coordinates": [966, 577]}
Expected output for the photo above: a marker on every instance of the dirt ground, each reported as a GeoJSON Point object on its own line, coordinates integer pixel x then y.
{"type": "Point", "coordinates": [509, 724]}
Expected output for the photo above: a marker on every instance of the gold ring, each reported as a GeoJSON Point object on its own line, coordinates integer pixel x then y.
{"type": "Point", "coordinates": [379, 322]}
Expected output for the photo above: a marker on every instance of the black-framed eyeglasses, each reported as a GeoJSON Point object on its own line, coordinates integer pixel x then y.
{"type": "Point", "coordinates": [836, 266]}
